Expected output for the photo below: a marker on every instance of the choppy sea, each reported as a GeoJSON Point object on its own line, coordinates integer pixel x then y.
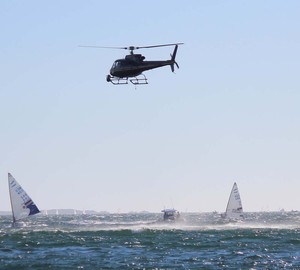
{"type": "Point", "coordinates": [267, 240]}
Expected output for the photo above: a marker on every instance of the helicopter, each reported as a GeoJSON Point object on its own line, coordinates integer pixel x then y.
{"type": "Point", "coordinates": [133, 65]}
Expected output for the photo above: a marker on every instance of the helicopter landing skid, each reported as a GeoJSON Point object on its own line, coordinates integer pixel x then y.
{"type": "Point", "coordinates": [116, 80]}
{"type": "Point", "coordinates": [141, 80]}
{"type": "Point", "coordinates": [136, 80]}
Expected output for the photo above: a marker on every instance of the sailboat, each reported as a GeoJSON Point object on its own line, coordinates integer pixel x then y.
{"type": "Point", "coordinates": [234, 209]}
{"type": "Point", "coordinates": [21, 204]}
{"type": "Point", "coordinates": [171, 214]}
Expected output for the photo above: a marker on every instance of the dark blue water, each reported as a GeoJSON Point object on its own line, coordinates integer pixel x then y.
{"type": "Point", "coordinates": [142, 241]}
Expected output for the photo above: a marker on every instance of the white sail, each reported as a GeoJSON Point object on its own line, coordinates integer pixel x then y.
{"type": "Point", "coordinates": [21, 204]}
{"type": "Point", "coordinates": [234, 208]}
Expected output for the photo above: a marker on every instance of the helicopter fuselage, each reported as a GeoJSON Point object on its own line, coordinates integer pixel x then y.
{"type": "Point", "coordinates": [133, 65]}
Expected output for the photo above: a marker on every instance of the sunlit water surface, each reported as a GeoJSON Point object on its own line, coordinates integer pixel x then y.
{"type": "Point", "coordinates": [143, 241]}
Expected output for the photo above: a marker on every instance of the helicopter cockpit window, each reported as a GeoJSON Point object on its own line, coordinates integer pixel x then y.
{"type": "Point", "coordinates": [117, 64]}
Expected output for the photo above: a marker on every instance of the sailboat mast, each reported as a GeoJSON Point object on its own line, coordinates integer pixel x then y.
{"type": "Point", "coordinates": [12, 208]}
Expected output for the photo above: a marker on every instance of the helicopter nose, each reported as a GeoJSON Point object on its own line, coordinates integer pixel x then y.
{"type": "Point", "coordinates": [112, 72]}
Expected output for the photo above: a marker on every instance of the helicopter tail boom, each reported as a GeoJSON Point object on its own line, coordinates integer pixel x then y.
{"type": "Point", "coordinates": [173, 56]}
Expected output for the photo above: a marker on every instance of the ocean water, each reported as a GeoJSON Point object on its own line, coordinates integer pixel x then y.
{"type": "Point", "coordinates": [268, 240]}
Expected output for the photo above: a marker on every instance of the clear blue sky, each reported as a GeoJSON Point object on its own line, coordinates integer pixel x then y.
{"type": "Point", "coordinates": [230, 113]}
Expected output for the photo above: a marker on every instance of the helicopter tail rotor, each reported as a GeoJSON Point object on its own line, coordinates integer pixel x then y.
{"type": "Point", "coordinates": [173, 56]}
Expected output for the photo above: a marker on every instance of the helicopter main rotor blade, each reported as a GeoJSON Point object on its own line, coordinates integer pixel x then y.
{"type": "Point", "coordinates": [155, 46]}
{"type": "Point", "coordinates": [131, 48]}
{"type": "Point", "coordinates": [101, 47]}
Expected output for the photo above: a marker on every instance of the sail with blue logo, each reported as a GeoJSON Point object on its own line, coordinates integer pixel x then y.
{"type": "Point", "coordinates": [234, 209]}
{"type": "Point", "coordinates": [21, 204]}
